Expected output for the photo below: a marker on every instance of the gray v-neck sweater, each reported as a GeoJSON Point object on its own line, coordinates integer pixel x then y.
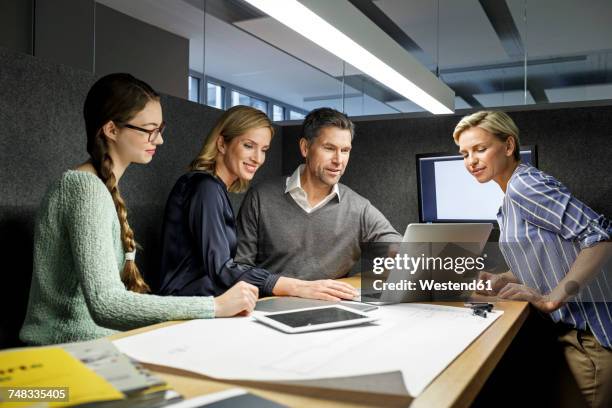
{"type": "Point", "coordinates": [275, 233]}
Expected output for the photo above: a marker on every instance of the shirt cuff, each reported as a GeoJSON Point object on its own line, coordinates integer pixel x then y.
{"type": "Point", "coordinates": [209, 311]}
{"type": "Point", "coordinates": [269, 284]}
{"type": "Point", "coordinates": [597, 230]}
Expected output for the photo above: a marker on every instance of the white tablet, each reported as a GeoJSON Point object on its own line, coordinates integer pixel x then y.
{"type": "Point", "coordinates": [314, 318]}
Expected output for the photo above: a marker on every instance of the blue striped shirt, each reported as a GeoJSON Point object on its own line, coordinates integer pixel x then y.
{"type": "Point", "coordinates": [542, 230]}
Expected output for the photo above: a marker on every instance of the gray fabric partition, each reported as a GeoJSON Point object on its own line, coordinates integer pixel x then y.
{"type": "Point", "coordinates": [42, 134]}
{"type": "Point", "coordinates": [574, 145]}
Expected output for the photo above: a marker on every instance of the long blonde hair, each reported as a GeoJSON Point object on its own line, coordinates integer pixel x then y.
{"type": "Point", "coordinates": [118, 98]}
{"type": "Point", "coordinates": [234, 122]}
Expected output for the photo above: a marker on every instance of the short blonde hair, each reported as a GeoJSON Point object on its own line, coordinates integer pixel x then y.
{"type": "Point", "coordinates": [498, 123]}
{"type": "Point", "coordinates": [234, 122]}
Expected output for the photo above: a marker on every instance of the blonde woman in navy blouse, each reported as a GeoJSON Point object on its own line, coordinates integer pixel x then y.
{"type": "Point", "coordinates": [555, 245]}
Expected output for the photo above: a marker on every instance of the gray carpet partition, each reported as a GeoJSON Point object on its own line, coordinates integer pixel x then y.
{"type": "Point", "coordinates": [574, 145]}
{"type": "Point", "coordinates": [42, 134]}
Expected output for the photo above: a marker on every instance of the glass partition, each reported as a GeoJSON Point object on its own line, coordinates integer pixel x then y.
{"type": "Point", "coordinates": [223, 52]}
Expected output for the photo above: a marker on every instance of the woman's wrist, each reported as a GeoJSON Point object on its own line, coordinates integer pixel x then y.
{"type": "Point", "coordinates": [559, 296]}
{"type": "Point", "coordinates": [548, 305]}
{"type": "Point", "coordinates": [217, 307]}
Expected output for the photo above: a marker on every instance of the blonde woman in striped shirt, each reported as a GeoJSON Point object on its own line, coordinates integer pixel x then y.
{"type": "Point", "coordinates": [556, 247]}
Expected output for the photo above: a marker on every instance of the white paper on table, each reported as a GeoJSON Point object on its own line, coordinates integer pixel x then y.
{"type": "Point", "coordinates": [417, 339]}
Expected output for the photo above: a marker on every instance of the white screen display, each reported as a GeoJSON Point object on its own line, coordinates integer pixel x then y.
{"type": "Point", "coordinates": [460, 197]}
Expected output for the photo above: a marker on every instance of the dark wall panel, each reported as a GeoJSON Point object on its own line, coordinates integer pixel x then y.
{"type": "Point", "coordinates": [64, 32]}
{"type": "Point", "coordinates": [90, 36]}
{"type": "Point", "coordinates": [574, 145]}
{"type": "Point", "coordinates": [126, 44]}
{"type": "Point", "coordinates": [16, 25]}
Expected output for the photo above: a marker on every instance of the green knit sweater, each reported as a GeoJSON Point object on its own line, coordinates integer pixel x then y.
{"type": "Point", "coordinates": [76, 292]}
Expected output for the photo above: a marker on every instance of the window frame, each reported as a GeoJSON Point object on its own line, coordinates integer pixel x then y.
{"type": "Point", "coordinates": [228, 87]}
{"type": "Point", "coordinates": [223, 98]}
{"type": "Point", "coordinates": [248, 95]}
{"type": "Point", "coordinates": [199, 90]}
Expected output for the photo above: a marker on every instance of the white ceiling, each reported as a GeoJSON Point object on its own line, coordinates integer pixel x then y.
{"type": "Point", "coordinates": [273, 32]}
{"type": "Point", "coordinates": [508, 98]}
{"type": "Point", "coordinates": [465, 38]}
{"type": "Point", "coordinates": [563, 27]}
{"type": "Point", "coordinates": [580, 93]}
{"type": "Point", "coordinates": [239, 58]}
{"type": "Point", "coordinates": [265, 57]}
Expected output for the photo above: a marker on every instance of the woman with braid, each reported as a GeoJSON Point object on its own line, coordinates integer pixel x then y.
{"type": "Point", "coordinates": [85, 282]}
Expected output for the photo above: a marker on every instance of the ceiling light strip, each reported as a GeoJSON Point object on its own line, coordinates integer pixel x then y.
{"type": "Point", "coordinates": [304, 21]}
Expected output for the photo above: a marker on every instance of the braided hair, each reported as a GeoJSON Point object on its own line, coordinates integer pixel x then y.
{"type": "Point", "coordinates": [118, 98]}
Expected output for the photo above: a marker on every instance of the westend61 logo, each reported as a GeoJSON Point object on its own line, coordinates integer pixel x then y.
{"type": "Point", "coordinates": [414, 263]}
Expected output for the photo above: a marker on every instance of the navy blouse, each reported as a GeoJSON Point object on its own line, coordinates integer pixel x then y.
{"type": "Point", "coordinates": [199, 242]}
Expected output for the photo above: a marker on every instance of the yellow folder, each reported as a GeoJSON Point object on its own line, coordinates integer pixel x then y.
{"type": "Point", "coordinates": [27, 374]}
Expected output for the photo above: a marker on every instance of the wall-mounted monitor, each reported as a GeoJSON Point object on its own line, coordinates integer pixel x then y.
{"type": "Point", "coordinates": [448, 193]}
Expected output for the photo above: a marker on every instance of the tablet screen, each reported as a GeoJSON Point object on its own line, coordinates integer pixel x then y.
{"type": "Point", "coordinates": [314, 316]}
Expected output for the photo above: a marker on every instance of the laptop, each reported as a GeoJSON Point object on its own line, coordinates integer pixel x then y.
{"type": "Point", "coordinates": [430, 240]}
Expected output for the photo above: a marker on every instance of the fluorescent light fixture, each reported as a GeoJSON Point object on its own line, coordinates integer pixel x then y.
{"type": "Point", "coordinates": [340, 28]}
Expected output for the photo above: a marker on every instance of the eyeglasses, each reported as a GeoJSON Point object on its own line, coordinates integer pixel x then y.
{"type": "Point", "coordinates": [153, 133]}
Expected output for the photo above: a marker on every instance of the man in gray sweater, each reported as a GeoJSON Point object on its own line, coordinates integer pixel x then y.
{"type": "Point", "coordinates": [309, 226]}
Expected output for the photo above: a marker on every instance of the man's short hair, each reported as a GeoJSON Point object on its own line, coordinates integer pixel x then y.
{"type": "Point", "coordinates": [321, 118]}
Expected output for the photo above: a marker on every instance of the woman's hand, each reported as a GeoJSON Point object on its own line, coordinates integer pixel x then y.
{"type": "Point", "coordinates": [325, 289]}
{"type": "Point", "coordinates": [240, 299]}
{"type": "Point", "coordinates": [515, 291]}
{"type": "Point", "coordinates": [498, 282]}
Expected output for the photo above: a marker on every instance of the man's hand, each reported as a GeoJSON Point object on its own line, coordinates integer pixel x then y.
{"type": "Point", "coordinates": [325, 289]}
{"type": "Point", "coordinates": [239, 300]}
{"type": "Point", "coordinates": [515, 291]}
{"type": "Point", "coordinates": [498, 281]}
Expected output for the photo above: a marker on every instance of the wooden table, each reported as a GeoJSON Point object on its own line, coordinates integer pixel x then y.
{"type": "Point", "coordinates": [456, 386]}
